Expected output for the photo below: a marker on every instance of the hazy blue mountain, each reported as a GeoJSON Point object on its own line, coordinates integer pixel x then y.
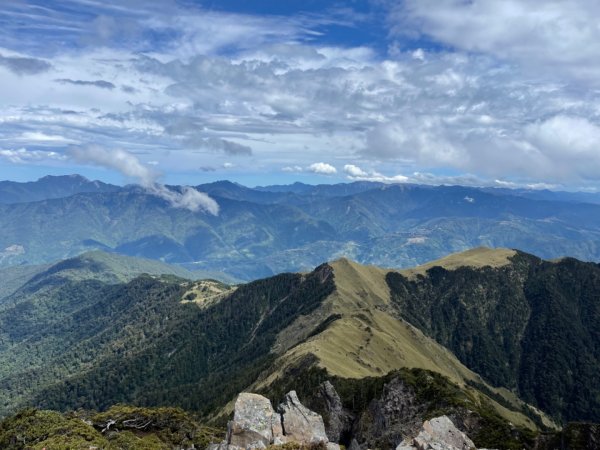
{"type": "Point", "coordinates": [260, 232]}
{"type": "Point", "coordinates": [50, 187]}
{"type": "Point", "coordinates": [323, 190]}
{"type": "Point", "coordinates": [545, 194]}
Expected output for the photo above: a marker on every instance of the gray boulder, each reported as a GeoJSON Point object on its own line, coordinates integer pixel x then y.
{"type": "Point", "coordinates": [438, 434]}
{"type": "Point", "coordinates": [338, 422]}
{"type": "Point", "coordinates": [256, 425]}
{"type": "Point", "coordinates": [253, 422]}
{"type": "Point", "coordinates": [300, 424]}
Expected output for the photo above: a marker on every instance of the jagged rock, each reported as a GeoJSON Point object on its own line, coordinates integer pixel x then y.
{"type": "Point", "coordinates": [339, 420]}
{"type": "Point", "coordinates": [300, 424]}
{"type": "Point", "coordinates": [396, 413]}
{"type": "Point", "coordinates": [438, 434]}
{"type": "Point", "coordinates": [253, 422]}
{"type": "Point", "coordinates": [256, 425]}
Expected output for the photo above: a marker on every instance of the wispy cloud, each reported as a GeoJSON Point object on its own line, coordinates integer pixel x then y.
{"type": "Point", "coordinates": [25, 156]}
{"type": "Point", "coordinates": [130, 166]}
{"type": "Point", "coordinates": [97, 83]}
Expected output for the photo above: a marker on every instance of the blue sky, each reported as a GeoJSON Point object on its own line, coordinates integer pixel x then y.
{"type": "Point", "coordinates": [501, 93]}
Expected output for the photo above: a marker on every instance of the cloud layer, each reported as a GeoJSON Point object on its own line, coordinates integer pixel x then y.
{"type": "Point", "coordinates": [449, 89]}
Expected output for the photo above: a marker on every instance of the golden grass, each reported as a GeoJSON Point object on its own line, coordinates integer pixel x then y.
{"type": "Point", "coordinates": [206, 292]}
{"type": "Point", "coordinates": [476, 257]}
{"type": "Point", "coordinates": [368, 340]}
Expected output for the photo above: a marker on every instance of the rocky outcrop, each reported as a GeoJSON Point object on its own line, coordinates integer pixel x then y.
{"type": "Point", "coordinates": [253, 420]}
{"type": "Point", "coordinates": [300, 424]}
{"type": "Point", "coordinates": [438, 434]}
{"type": "Point", "coordinates": [397, 413]}
{"type": "Point", "coordinates": [256, 425]}
{"type": "Point", "coordinates": [338, 420]}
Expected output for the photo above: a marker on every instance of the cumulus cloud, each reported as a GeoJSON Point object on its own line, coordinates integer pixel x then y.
{"type": "Point", "coordinates": [553, 34]}
{"type": "Point", "coordinates": [97, 83]}
{"type": "Point", "coordinates": [567, 144]}
{"type": "Point", "coordinates": [322, 168]}
{"type": "Point", "coordinates": [24, 65]}
{"type": "Point", "coordinates": [355, 173]}
{"type": "Point", "coordinates": [130, 166]}
{"type": "Point", "coordinates": [470, 107]}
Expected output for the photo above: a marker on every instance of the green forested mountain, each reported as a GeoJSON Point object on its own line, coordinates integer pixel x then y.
{"type": "Point", "coordinates": [530, 325]}
{"type": "Point", "coordinates": [76, 335]}
{"type": "Point", "coordinates": [262, 231]}
{"type": "Point", "coordinates": [72, 336]}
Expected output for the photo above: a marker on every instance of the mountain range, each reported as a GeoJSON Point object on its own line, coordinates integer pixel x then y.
{"type": "Point", "coordinates": [501, 333]}
{"type": "Point", "coordinates": [265, 230]}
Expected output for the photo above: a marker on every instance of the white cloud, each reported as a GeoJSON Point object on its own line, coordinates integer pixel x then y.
{"type": "Point", "coordinates": [131, 166]}
{"type": "Point", "coordinates": [566, 145]}
{"type": "Point", "coordinates": [25, 156]}
{"type": "Point", "coordinates": [117, 159]}
{"type": "Point", "coordinates": [355, 171]}
{"type": "Point", "coordinates": [292, 169]}
{"type": "Point", "coordinates": [283, 99]}
{"type": "Point", "coordinates": [357, 174]}
{"type": "Point", "coordinates": [322, 168]}
{"type": "Point", "coordinates": [548, 38]}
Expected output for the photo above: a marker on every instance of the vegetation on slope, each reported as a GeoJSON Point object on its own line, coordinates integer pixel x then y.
{"type": "Point", "coordinates": [420, 395]}
{"type": "Point", "coordinates": [259, 233]}
{"type": "Point", "coordinates": [121, 427]}
{"type": "Point", "coordinates": [90, 344]}
{"type": "Point", "coordinates": [357, 333]}
{"type": "Point", "coordinates": [529, 326]}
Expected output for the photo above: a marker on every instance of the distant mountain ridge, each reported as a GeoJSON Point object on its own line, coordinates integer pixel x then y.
{"type": "Point", "coordinates": [262, 231]}
{"type": "Point", "coordinates": [49, 187]}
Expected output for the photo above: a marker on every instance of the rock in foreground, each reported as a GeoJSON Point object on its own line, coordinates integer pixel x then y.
{"type": "Point", "coordinates": [438, 434]}
{"type": "Point", "coordinates": [257, 425]}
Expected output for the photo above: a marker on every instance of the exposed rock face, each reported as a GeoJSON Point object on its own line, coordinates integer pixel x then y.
{"type": "Point", "coordinates": [256, 425]}
{"type": "Point", "coordinates": [396, 414]}
{"type": "Point", "coordinates": [438, 434]}
{"type": "Point", "coordinates": [338, 421]}
{"type": "Point", "coordinates": [300, 423]}
{"type": "Point", "coordinates": [252, 422]}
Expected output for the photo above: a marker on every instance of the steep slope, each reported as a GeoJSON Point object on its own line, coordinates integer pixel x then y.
{"type": "Point", "coordinates": [75, 337]}
{"type": "Point", "coordinates": [358, 333]}
{"type": "Point", "coordinates": [527, 324]}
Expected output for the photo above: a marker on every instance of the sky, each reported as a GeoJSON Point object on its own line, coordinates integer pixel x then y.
{"type": "Point", "coordinates": [481, 92]}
